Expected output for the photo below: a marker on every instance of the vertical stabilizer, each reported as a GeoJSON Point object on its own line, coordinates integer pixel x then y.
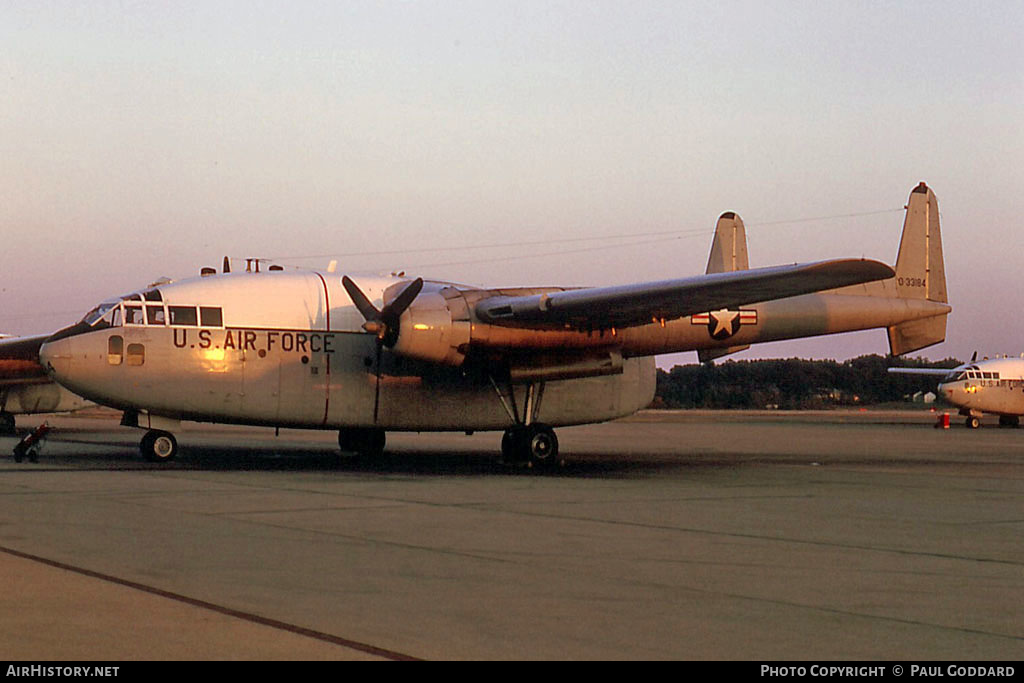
{"type": "Point", "coordinates": [729, 246]}
{"type": "Point", "coordinates": [728, 253]}
{"type": "Point", "coordinates": [920, 272]}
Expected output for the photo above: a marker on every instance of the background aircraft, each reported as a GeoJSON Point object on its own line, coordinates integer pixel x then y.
{"type": "Point", "coordinates": [994, 386]}
{"type": "Point", "coordinates": [25, 387]}
{"type": "Point", "coordinates": [363, 355]}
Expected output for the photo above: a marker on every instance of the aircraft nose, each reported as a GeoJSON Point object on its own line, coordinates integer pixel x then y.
{"type": "Point", "coordinates": [54, 357]}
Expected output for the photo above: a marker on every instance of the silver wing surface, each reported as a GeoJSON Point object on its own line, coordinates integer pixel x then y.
{"type": "Point", "coordinates": [646, 302]}
{"type": "Point", "coordinates": [936, 372]}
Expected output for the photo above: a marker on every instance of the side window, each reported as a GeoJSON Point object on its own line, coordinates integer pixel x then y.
{"type": "Point", "coordinates": [210, 317]}
{"type": "Point", "coordinates": [115, 317]}
{"type": "Point", "coordinates": [182, 315]}
{"type": "Point", "coordinates": [115, 349]}
{"type": "Point", "coordinates": [136, 354]}
{"type": "Point", "coordinates": [155, 315]}
{"type": "Point", "coordinates": [133, 315]}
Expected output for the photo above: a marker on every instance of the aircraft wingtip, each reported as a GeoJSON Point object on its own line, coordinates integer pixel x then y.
{"type": "Point", "coordinates": [921, 187]}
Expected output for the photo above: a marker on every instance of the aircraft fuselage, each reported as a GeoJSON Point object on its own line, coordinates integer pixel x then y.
{"type": "Point", "coordinates": [288, 349]}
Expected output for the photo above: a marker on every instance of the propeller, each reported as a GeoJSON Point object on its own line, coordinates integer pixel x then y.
{"type": "Point", "coordinates": [383, 323]}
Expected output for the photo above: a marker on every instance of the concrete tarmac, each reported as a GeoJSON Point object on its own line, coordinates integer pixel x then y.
{"type": "Point", "coordinates": [692, 535]}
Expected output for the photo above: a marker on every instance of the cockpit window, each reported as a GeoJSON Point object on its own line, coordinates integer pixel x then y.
{"type": "Point", "coordinates": [93, 316]}
{"type": "Point", "coordinates": [133, 315]}
{"type": "Point", "coordinates": [155, 315]}
{"type": "Point", "coordinates": [183, 315]}
{"type": "Point", "coordinates": [152, 295]}
{"type": "Point", "coordinates": [211, 317]}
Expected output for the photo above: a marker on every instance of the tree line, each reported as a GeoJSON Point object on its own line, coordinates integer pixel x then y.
{"type": "Point", "coordinates": [793, 383]}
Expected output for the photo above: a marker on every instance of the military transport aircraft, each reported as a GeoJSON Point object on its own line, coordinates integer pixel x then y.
{"type": "Point", "coordinates": [994, 386]}
{"type": "Point", "coordinates": [366, 354]}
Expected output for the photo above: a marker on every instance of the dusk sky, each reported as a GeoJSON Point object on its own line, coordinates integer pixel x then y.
{"type": "Point", "coordinates": [518, 143]}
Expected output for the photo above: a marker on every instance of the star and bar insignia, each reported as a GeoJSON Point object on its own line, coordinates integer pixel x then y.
{"type": "Point", "coordinates": [724, 323]}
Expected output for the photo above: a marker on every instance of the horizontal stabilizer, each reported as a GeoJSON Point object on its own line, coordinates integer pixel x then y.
{"type": "Point", "coordinates": [916, 334]}
{"type": "Point", "coordinates": [708, 355]}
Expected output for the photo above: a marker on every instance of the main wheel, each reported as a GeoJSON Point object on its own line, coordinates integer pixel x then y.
{"type": "Point", "coordinates": [972, 422]}
{"type": "Point", "coordinates": [512, 448]}
{"type": "Point", "coordinates": [1009, 421]}
{"type": "Point", "coordinates": [6, 423]}
{"type": "Point", "coordinates": [541, 446]}
{"type": "Point", "coordinates": [158, 446]}
{"type": "Point", "coordinates": [363, 441]}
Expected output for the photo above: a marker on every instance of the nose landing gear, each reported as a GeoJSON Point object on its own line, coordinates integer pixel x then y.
{"type": "Point", "coordinates": [158, 446]}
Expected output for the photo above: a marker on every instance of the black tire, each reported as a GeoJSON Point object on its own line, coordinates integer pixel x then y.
{"type": "Point", "coordinates": [972, 422]}
{"type": "Point", "coordinates": [158, 446]}
{"type": "Point", "coordinates": [1011, 421]}
{"type": "Point", "coordinates": [541, 446]}
{"type": "Point", "coordinates": [6, 423]}
{"type": "Point", "coordinates": [512, 449]}
{"type": "Point", "coordinates": [366, 442]}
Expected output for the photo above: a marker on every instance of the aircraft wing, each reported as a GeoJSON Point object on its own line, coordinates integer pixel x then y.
{"type": "Point", "coordinates": [642, 303]}
{"type": "Point", "coordinates": [938, 372]}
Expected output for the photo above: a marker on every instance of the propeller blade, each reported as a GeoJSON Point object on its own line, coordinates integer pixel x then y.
{"type": "Point", "coordinates": [401, 302]}
{"type": "Point", "coordinates": [383, 323]}
{"type": "Point", "coordinates": [227, 265]}
{"type": "Point", "coordinates": [368, 310]}
{"type": "Point", "coordinates": [376, 388]}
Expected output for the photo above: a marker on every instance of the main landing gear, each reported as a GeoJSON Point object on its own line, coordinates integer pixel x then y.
{"type": "Point", "coordinates": [527, 440]}
{"type": "Point", "coordinates": [363, 441]}
{"type": "Point", "coordinates": [158, 446]}
{"type": "Point", "coordinates": [535, 444]}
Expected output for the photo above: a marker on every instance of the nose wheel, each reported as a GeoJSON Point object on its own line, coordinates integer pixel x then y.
{"type": "Point", "coordinates": [6, 423]}
{"type": "Point", "coordinates": [158, 446]}
{"type": "Point", "coordinates": [536, 445]}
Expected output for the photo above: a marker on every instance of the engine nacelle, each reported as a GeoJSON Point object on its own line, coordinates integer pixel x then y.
{"type": "Point", "coordinates": [570, 364]}
{"type": "Point", "coordinates": [435, 328]}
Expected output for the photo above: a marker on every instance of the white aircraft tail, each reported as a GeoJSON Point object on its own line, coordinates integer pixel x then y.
{"type": "Point", "coordinates": [728, 253]}
{"type": "Point", "coordinates": [920, 273]}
